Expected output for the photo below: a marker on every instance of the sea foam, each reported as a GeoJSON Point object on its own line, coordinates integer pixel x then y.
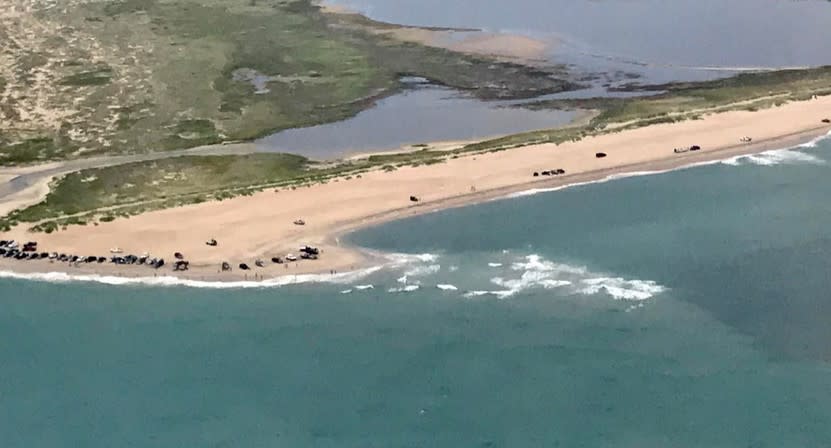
{"type": "Point", "coordinates": [538, 272]}
{"type": "Point", "coordinates": [170, 281]}
{"type": "Point", "coordinates": [775, 157]}
{"type": "Point", "coordinates": [790, 155]}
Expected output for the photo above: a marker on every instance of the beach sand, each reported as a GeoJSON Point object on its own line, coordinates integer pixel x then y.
{"type": "Point", "coordinates": [261, 226]}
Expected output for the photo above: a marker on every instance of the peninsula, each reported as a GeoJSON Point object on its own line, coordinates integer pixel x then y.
{"type": "Point", "coordinates": [262, 225]}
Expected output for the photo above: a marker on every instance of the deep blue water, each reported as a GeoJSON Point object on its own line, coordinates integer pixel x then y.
{"type": "Point", "coordinates": [685, 309]}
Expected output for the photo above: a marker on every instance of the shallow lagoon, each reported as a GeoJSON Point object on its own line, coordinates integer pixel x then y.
{"type": "Point", "coordinates": [420, 114]}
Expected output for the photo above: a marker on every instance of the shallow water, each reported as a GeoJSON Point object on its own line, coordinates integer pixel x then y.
{"type": "Point", "coordinates": [655, 38]}
{"type": "Point", "coordinates": [683, 309]}
{"type": "Point", "coordinates": [418, 115]}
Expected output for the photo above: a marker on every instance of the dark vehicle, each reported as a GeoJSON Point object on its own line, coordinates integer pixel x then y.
{"type": "Point", "coordinates": [244, 267]}
{"type": "Point", "coordinates": [181, 265]}
{"type": "Point", "coordinates": [600, 155]}
{"type": "Point", "coordinates": [310, 250]}
{"type": "Point", "coordinates": [694, 148]}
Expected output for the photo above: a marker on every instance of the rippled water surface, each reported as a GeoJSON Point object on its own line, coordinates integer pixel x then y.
{"type": "Point", "coordinates": [682, 309]}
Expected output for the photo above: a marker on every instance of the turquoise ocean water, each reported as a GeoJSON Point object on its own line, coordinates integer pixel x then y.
{"type": "Point", "coordinates": [684, 309]}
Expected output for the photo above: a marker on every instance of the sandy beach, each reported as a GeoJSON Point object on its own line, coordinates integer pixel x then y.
{"type": "Point", "coordinates": [261, 226]}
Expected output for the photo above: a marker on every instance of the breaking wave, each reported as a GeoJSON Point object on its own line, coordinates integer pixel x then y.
{"type": "Point", "coordinates": [775, 157]}
{"type": "Point", "coordinates": [392, 260]}
{"type": "Point", "coordinates": [537, 272]}
{"type": "Point", "coordinates": [622, 289]}
{"type": "Point", "coordinates": [405, 288]}
{"type": "Point", "coordinates": [785, 156]}
{"type": "Point", "coordinates": [169, 281]}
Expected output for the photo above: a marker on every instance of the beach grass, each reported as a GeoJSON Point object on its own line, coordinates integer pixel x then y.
{"type": "Point", "coordinates": [176, 177]}
{"type": "Point", "coordinates": [106, 193]}
{"type": "Point", "coordinates": [668, 103]}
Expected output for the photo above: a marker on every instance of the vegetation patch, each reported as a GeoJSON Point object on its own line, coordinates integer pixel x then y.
{"type": "Point", "coordinates": [149, 75]}
{"type": "Point", "coordinates": [97, 77]}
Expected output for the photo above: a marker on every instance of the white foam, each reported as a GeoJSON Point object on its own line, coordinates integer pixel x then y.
{"type": "Point", "coordinates": [767, 158]}
{"type": "Point", "coordinates": [446, 287]}
{"type": "Point", "coordinates": [170, 281]}
{"type": "Point", "coordinates": [499, 294]}
{"type": "Point", "coordinates": [364, 287]}
{"type": "Point", "coordinates": [537, 272]}
{"type": "Point", "coordinates": [405, 288]}
{"type": "Point", "coordinates": [775, 157]}
{"type": "Point", "coordinates": [398, 259]}
{"type": "Point", "coordinates": [420, 271]}
{"type": "Point", "coordinates": [622, 289]}
{"type": "Point", "coordinates": [346, 291]}
{"type": "Point", "coordinates": [495, 265]}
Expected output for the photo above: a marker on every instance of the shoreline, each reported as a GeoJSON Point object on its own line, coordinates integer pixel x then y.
{"type": "Point", "coordinates": [260, 226]}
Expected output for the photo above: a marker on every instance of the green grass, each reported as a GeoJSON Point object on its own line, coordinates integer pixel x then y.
{"type": "Point", "coordinates": [167, 178]}
{"type": "Point", "coordinates": [28, 151]}
{"type": "Point", "coordinates": [160, 64]}
{"type": "Point", "coordinates": [106, 193]}
{"type": "Point", "coordinates": [679, 98]}
{"type": "Point", "coordinates": [676, 102]}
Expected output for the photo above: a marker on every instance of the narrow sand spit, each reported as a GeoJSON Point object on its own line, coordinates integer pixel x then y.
{"type": "Point", "coordinates": [261, 226]}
